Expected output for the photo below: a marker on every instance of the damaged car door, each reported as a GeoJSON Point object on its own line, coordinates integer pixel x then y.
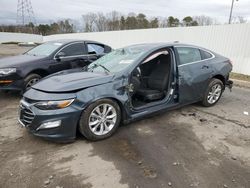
{"type": "Point", "coordinates": [194, 73]}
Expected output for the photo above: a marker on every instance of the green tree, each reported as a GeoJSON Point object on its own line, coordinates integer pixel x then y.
{"type": "Point", "coordinates": [54, 28]}
{"type": "Point", "coordinates": [154, 23]}
{"type": "Point", "coordinates": [194, 23]}
{"type": "Point", "coordinates": [122, 23]}
{"type": "Point", "coordinates": [68, 26]}
{"type": "Point", "coordinates": [43, 29]}
{"type": "Point", "coordinates": [131, 22]}
{"type": "Point", "coordinates": [173, 22]}
{"type": "Point", "coordinates": [142, 21]}
{"type": "Point", "coordinates": [187, 21]}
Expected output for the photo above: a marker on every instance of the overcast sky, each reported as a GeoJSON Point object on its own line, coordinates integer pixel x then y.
{"type": "Point", "coordinates": [52, 10]}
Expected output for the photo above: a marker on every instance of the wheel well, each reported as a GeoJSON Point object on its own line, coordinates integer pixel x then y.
{"type": "Point", "coordinates": [123, 114]}
{"type": "Point", "coordinates": [220, 77]}
{"type": "Point", "coordinates": [40, 72]}
{"type": "Point", "coordinates": [121, 108]}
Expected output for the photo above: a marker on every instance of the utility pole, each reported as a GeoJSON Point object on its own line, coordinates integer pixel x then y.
{"type": "Point", "coordinates": [25, 14]}
{"type": "Point", "coordinates": [231, 12]}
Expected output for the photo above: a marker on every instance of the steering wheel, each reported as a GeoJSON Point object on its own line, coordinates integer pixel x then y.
{"type": "Point", "coordinates": [136, 79]}
{"type": "Point", "coordinates": [137, 73]}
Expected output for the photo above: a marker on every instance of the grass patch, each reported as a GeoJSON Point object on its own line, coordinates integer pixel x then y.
{"type": "Point", "coordinates": [240, 76]}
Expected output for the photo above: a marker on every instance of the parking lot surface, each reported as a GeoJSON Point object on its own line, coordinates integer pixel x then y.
{"type": "Point", "coordinates": [189, 147]}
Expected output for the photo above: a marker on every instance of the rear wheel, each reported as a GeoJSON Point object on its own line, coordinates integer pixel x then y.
{"type": "Point", "coordinates": [30, 80]}
{"type": "Point", "coordinates": [213, 93]}
{"type": "Point", "coordinates": [100, 120]}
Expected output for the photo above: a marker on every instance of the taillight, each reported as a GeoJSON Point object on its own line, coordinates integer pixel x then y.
{"type": "Point", "coordinates": [230, 62]}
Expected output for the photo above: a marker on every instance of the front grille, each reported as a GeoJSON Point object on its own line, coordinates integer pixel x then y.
{"type": "Point", "coordinates": [26, 115]}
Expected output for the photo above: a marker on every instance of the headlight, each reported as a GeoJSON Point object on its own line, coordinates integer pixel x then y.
{"type": "Point", "coordinates": [53, 105]}
{"type": "Point", "coordinates": [7, 71]}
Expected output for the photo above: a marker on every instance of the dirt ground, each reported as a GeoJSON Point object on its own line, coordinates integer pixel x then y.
{"type": "Point", "coordinates": [189, 147]}
{"type": "Point", "coordinates": [11, 49]}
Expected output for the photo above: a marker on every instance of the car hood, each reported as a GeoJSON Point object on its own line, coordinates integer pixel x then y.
{"type": "Point", "coordinates": [17, 61]}
{"type": "Point", "coordinates": [68, 81]}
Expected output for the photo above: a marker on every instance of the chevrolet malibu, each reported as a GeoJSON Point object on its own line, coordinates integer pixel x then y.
{"type": "Point", "coordinates": [22, 71]}
{"type": "Point", "coordinates": [127, 84]}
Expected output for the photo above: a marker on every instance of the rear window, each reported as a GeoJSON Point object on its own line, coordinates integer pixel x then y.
{"type": "Point", "coordinates": [188, 55]}
{"type": "Point", "coordinates": [205, 55]}
{"type": "Point", "coordinates": [96, 48]}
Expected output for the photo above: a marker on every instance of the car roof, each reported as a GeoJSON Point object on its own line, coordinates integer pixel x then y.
{"type": "Point", "coordinates": [155, 46]}
{"type": "Point", "coordinates": [67, 41]}
{"type": "Point", "coordinates": [160, 44]}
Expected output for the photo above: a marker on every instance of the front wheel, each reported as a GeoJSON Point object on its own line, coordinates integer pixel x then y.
{"type": "Point", "coordinates": [100, 119]}
{"type": "Point", "coordinates": [30, 80]}
{"type": "Point", "coordinates": [213, 92]}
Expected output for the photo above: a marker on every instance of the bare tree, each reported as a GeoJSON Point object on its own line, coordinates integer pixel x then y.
{"type": "Point", "coordinates": [113, 20]}
{"type": "Point", "coordinates": [204, 20]}
{"type": "Point", "coordinates": [89, 22]}
{"type": "Point", "coordinates": [163, 22]}
{"type": "Point", "coordinates": [239, 19]}
{"type": "Point", "coordinates": [101, 22]}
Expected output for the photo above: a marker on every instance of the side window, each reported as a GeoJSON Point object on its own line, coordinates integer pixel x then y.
{"type": "Point", "coordinates": [188, 55]}
{"type": "Point", "coordinates": [95, 49]}
{"type": "Point", "coordinates": [74, 49]}
{"type": "Point", "coordinates": [205, 55]}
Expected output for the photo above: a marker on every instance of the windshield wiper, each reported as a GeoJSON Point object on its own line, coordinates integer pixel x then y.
{"type": "Point", "coordinates": [99, 65]}
{"type": "Point", "coordinates": [30, 54]}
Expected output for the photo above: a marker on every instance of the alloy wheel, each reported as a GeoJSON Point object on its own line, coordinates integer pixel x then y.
{"type": "Point", "coordinates": [32, 82]}
{"type": "Point", "coordinates": [102, 119]}
{"type": "Point", "coordinates": [214, 94]}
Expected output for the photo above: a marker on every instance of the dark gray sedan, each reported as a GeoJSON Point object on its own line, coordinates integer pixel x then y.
{"type": "Point", "coordinates": [127, 84]}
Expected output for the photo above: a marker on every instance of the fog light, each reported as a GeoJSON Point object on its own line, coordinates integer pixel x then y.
{"type": "Point", "coordinates": [50, 124]}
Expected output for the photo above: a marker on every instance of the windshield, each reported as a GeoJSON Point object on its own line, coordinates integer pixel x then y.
{"type": "Point", "coordinates": [116, 61]}
{"type": "Point", "coordinates": [44, 49]}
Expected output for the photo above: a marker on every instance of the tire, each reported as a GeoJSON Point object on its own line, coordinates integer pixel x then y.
{"type": "Point", "coordinates": [94, 125]}
{"type": "Point", "coordinates": [31, 80]}
{"type": "Point", "coordinates": [211, 97]}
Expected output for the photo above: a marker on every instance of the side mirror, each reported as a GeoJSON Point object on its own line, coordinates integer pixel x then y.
{"type": "Point", "coordinates": [60, 54]}
{"type": "Point", "coordinates": [92, 53]}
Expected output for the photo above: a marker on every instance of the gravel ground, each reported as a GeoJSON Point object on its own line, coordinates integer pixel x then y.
{"type": "Point", "coordinates": [12, 49]}
{"type": "Point", "coordinates": [189, 147]}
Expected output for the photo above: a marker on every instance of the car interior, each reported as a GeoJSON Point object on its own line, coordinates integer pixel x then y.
{"type": "Point", "coordinates": [150, 79]}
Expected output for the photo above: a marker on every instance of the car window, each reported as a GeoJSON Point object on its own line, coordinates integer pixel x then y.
{"type": "Point", "coordinates": [96, 48]}
{"type": "Point", "coordinates": [74, 49]}
{"type": "Point", "coordinates": [188, 55]}
{"type": "Point", "coordinates": [205, 55]}
{"type": "Point", "coordinates": [45, 49]}
{"type": "Point", "coordinates": [116, 60]}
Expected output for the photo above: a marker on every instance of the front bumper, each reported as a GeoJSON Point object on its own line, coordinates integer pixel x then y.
{"type": "Point", "coordinates": [32, 118]}
{"type": "Point", "coordinates": [16, 84]}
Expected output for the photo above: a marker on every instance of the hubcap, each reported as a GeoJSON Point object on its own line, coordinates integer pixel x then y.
{"type": "Point", "coordinates": [32, 82]}
{"type": "Point", "coordinates": [102, 119]}
{"type": "Point", "coordinates": [214, 94]}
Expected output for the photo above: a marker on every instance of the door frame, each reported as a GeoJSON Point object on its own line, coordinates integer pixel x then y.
{"type": "Point", "coordinates": [156, 105]}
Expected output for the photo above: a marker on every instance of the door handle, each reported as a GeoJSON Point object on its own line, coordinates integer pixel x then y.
{"type": "Point", "coordinates": [205, 67]}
